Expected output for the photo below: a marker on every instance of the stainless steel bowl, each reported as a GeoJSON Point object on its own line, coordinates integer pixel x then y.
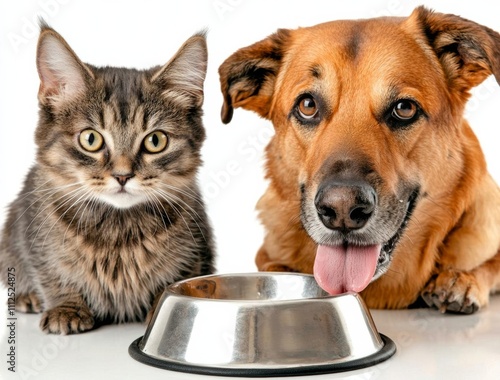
{"type": "Point", "coordinates": [259, 324]}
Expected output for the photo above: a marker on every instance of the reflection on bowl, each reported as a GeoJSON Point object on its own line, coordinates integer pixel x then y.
{"type": "Point", "coordinates": [260, 324]}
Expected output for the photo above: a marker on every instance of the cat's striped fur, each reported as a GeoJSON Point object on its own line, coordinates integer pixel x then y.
{"type": "Point", "coordinates": [95, 236]}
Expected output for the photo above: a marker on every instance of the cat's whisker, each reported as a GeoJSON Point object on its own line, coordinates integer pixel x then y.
{"type": "Point", "coordinates": [156, 203]}
{"type": "Point", "coordinates": [50, 190]}
{"type": "Point", "coordinates": [53, 190]}
{"type": "Point", "coordinates": [34, 191]}
{"type": "Point", "coordinates": [96, 204]}
{"type": "Point", "coordinates": [52, 201]}
{"type": "Point", "coordinates": [93, 210]}
{"type": "Point", "coordinates": [74, 195]}
{"type": "Point", "coordinates": [186, 191]}
{"type": "Point", "coordinates": [79, 200]}
{"type": "Point", "coordinates": [36, 231]}
{"type": "Point", "coordinates": [150, 202]}
{"type": "Point", "coordinates": [180, 200]}
{"type": "Point", "coordinates": [193, 212]}
{"type": "Point", "coordinates": [87, 202]}
{"type": "Point", "coordinates": [83, 220]}
{"type": "Point", "coordinates": [172, 203]}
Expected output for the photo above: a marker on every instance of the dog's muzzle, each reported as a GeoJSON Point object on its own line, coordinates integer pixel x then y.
{"type": "Point", "coordinates": [361, 242]}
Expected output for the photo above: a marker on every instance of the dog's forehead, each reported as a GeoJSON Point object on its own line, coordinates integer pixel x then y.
{"type": "Point", "coordinates": [358, 42]}
{"type": "Point", "coordinates": [382, 54]}
{"type": "Point", "coordinates": [349, 35]}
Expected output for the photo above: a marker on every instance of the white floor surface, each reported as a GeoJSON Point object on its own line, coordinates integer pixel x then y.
{"type": "Point", "coordinates": [430, 346]}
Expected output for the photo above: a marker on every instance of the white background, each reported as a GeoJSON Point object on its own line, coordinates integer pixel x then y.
{"type": "Point", "coordinates": [144, 33]}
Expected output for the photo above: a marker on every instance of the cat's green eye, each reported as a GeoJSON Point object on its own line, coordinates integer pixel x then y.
{"type": "Point", "coordinates": [155, 142]}
{"type": "Point", "coordinates": [91, 140]}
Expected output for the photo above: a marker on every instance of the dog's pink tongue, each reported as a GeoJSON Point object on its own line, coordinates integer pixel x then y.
{"type": "Point", "coordinates": [343, 269]}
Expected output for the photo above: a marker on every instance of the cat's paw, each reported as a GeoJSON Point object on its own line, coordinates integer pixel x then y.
{"type": "Point", "coordinates": [67, 320]}
{"type": "Point", "coordinates": [28, 303]}
{"type": "Point", "coordinates": [456, 292]}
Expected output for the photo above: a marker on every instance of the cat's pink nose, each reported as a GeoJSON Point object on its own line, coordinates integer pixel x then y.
{"type": "Point", "coordinates": [122, 178]}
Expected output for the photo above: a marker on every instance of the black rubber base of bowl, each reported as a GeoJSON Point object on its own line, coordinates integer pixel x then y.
{"type": "Point", "coordinates": [385, 353]}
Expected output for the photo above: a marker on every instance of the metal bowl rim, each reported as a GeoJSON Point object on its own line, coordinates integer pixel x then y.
{"type": "Point", "coordinates": [172, 294]}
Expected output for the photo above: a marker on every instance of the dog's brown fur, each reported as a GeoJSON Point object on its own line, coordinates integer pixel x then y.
{"type": "Point", "coordinates": [449, 252]}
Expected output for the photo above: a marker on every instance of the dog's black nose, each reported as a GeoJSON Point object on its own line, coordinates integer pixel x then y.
{"type": "Point", "coordinates": [345, 205]}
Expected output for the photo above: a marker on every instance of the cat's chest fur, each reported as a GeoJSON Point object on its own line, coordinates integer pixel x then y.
{"type": "Point", "coordinates": [119, 259]}
{"type": "Point", "coordinates": [122, 276]}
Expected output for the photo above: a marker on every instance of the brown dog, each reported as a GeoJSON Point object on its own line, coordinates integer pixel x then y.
{"type": "Point", "coordinates": [376, 180]}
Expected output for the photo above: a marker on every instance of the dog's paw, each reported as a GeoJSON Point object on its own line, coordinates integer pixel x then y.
{"type": "Point", "coordinates": [28, 303]}
{"type": "Point", "coordinates": [455, 292]}
{"type": "Point", "coordinates": [67, 320]}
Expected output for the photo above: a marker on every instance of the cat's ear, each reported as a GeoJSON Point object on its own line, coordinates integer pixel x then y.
{"type": "Point", "coordinates": [62, 75]}
{"type": "Point", "coordinates": [183, 76]}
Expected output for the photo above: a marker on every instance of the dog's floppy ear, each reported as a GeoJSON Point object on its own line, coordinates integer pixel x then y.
{"type": "Point", "coordinates": [468, 52]}
{"type": "Point", "coordinates": [248, 76]}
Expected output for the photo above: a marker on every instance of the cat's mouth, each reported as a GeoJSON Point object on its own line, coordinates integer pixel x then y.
{"type": "Point", "coordinates": [123, 197]}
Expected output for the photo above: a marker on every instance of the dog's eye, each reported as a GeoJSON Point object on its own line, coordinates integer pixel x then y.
{"type": "Point", "coordinates": [403, 113]}
{"type": "Point", "coordinates": [307, 107]}
{"type": "Point", "coordinates": [308, 110]}
{"type": "Point", "coordinates": [404, 110]}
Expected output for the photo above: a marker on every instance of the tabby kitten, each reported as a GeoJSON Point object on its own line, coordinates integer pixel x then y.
{"type": "Point", "coordinates": [111, 212]}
